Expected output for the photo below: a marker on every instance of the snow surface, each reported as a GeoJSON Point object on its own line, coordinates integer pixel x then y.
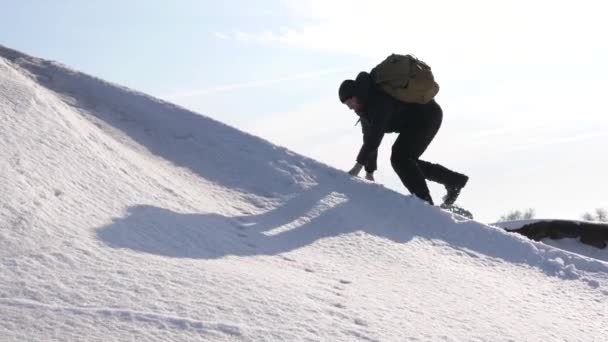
{"type": "Point", "coordinates": [127, 218]}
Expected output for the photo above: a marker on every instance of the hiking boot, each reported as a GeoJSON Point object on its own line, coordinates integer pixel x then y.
{"type": "Point", "coordinates": [453, 191]}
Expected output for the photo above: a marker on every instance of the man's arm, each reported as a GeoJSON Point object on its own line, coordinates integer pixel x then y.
{"type": "Point", "coordinates": [373, 132]}
{"type": "Point", "coordinates": [374, 123]}
{"type": "Point", "coordinates": [371, 163]}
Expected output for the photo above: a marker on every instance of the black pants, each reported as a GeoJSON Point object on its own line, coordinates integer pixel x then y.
{"type": "Point", "coordinates": [412, 141]}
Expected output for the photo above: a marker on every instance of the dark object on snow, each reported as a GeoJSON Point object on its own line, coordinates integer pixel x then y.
{"type": "Point", "coordinates": [594, 234]}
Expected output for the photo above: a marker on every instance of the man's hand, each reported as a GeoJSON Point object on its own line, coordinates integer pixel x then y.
{"type": "Point", "coordinates": [355, 170]}
{"type": "Point", "coordinates": [369, 176]}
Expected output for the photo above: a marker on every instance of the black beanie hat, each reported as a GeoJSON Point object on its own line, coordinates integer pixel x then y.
{"type": "Point", "coordinates": [347, 90]}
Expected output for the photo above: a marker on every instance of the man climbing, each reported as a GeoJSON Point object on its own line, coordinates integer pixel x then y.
{"type": "Point", "coordinates": [416, 122]}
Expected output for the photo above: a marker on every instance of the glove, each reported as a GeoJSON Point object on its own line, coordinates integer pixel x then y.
{"type": "Point", "coordinates": [369, 176]}
{"type": "Point", "coordinates": [355, 170]}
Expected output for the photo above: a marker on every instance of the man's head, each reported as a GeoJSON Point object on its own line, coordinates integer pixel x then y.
{"type": "Point", "coordinates": [347, 95]}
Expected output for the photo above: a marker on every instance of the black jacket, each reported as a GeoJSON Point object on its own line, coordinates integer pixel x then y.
{"type": "Point", "coordinates": [382, 114]}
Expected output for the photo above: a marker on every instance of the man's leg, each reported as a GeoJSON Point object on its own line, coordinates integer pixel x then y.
{"type": "Point", "coordinates": [404, 159]}
{"type": "Point", "coordinates": [453, 181]}
{"type": "Point", "coordinates": [411, 176]}
{"type": "Point", "coordinates": [441, 174]}
{"type": "Point", "coordinates": [413, 140]}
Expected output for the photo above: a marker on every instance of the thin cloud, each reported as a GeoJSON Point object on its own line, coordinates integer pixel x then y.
{"type": "Point", "coordinates": [335, 26]}
{"type": "Point", "coordinates": [558, 140]}
{"type": "Point", "coordinates": [255, 84]}
{"type": "Point", "coordinates": [263, 37]}
{"type": "Point", "coordinates": [221, 35]}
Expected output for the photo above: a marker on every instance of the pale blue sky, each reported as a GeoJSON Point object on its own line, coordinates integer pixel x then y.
{"type": "Point", "coordinates": [521, 81]}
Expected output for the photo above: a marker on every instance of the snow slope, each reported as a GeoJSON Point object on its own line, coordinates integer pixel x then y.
{"type": "Point", "coordinates": [124, 217]}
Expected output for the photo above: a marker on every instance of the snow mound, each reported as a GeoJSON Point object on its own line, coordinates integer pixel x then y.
{"type": "Point", "coordinates": [127, 217]}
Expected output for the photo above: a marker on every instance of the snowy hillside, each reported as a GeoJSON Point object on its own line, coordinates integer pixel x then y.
{"type": "Point", "coordinates": [124, 217]}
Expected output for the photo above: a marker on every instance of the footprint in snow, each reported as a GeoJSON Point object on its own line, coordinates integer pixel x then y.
{"type": "Point", "coordinates": [360, 322]}
{"type": "Point", "coordinates": [287, 259]}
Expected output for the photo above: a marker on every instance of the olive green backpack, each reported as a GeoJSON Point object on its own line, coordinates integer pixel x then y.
{"type": "Point", "coordinates": [406, 78]}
